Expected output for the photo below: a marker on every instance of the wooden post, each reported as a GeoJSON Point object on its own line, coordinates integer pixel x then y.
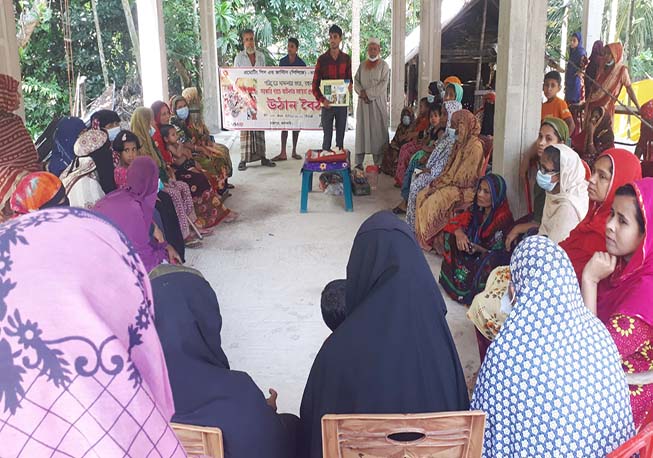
{"type": "Point", "coordinates": [98, 33]}
{"type": "Point", "coordinates": [132, 33]}
{"type": "Point", "coordinates": [480, 48]}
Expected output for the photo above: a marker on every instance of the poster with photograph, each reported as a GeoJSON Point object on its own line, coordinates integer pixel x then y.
{"type": "Point", "coordinates": [336, 92]}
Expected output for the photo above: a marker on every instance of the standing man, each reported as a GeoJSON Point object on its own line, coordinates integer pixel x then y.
{"type": "Point", "coordinates": [332, 65]}
{"type": "Point", "coordinates": [252, 142]}
{"type": "Point", "coordinates": [371, 85]}
{"type": "Point", "coordinates": [291, 60]}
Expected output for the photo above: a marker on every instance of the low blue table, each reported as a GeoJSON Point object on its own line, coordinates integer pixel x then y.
{"type": "Point", "coordinates": [309, 168]}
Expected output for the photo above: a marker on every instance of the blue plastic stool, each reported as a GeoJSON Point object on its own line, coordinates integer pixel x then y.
{"type": "Point", "coordinates": [309, 168]}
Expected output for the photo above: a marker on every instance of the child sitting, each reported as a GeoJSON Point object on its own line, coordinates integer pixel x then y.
{"type": "Point", "coordinates": [554, 105]}
{"type": "Point", "coordinates": [126, 145]}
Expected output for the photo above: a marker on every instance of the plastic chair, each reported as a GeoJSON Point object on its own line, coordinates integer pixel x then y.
{"type": "Point", "coordinates": [444, 434]}
{"type": "Point", "coordinates": [309, 168]}
{"type": "Point", "coordinates": [200, 441]}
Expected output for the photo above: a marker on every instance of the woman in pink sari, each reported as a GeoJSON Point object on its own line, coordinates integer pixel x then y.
{"type": "Point", "coordinates": [618, 286]}
{"type": "Point", "coordinates": [83, 372]}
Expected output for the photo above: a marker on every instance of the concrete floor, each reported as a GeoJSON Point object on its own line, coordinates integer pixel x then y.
{"type": "Point", "coordinates": [269, 267]}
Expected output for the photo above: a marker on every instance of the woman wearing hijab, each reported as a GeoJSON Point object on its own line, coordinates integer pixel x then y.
{"type": "Point", "coordinates": [81, 178]}
{"type": "Point", "coordinates": [592, 66]}
{"type": "Point", "coordinates": [131, 209]}
{"type": "Point", "coordinates": [573, 83]}
{"type": "Point", "coordinates": [206, 391]}
{"type": "Point", "coordinates": [420, 136]}
{"type": "Point", "coordinates": [37, 191]}
{"type": "Point", "coordinates": [644, 148]}
{"type": "Point", "coordinates": [83, 370]}
{"type": "Point", "coordinates": [65, 136]}
{"type": "Point", "coordinates": [403, 134]}
{"type": "Point", "coordinates": [562, 176]}
{"type": "Point", "coordinates": [18, 155]}
{"type": "Point", "coordinates": [598, 137]}
{"type": "Point", "coordinates": [454, 188]}
{"type": "Point", "coordinates": [553, 131]}
{"type": "Point", "coordinates": [618, 285]}
{"type": "Point", "coordinates": [393, 353]}
{"type": "Point", "coordinates": [437, 162]}
{"type": "Point", "coordinates": [453, 79]}
{"type": "Point", "coordinates": [551, 384]}
{"type": "Point", "coordinates": [453, 91]}
{"type": "Point", "coordinates": [474, 241]}
{"type": "Point", "coordinates": [613, 169]}
{"type": "Point", "coordinates": [161, 113]}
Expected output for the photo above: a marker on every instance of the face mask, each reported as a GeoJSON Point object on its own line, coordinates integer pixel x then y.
{"type": "Point", "coordinates": [544, 181]}
{"type": "Point", "coordinates": [152, 131]}
{"type": "Point", "coordinates": [430, 98]}
{"type": "Point", "coordinates": [406, 120]}
{"type": "Point", "coordinates": [610, 64]}
{"type": "Point", "coordinates": [113, 133]}
{"type": "Point", "coordinates": [451, 132]}
{"type": "Point", "coordinates": [506, 303]}
{"type": "Point", "coordinates": [372, 59]}
{"type": "Point", "coordinates": [160, 185]}
{"type": "Point", "coordinates": [182, 113]}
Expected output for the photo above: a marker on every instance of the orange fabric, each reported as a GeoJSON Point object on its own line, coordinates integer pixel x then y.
{"type": "Point", "coordinates": [557, 108]}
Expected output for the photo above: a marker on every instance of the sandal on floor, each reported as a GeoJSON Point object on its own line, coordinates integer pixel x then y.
{"type": "Point", "coordinates": [224, 196]}
{"type": "Point", "coordinates": [398, 211]}
{"type": "Point", "coordinates": [268, 163]}
{"type": "Point", "coordinates": [297, 156]}
{"type": "Point", "coordinates": [231, 217]}
{"type": "Point", "coordinates": [230, 186]}
{"type": "Point", "coordinates": [242, 166]}
{"type": "Point", "coordinates": [279, 158]}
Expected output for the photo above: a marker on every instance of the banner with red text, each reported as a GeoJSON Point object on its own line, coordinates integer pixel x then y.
{"type": "Point", "coordinates": [268, 98]}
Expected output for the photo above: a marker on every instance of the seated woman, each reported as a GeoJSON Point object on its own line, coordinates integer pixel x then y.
{"type": "Point", "coordinates": [618, 285]}
{"type": "Point", "coordinates": [205, 390]}
{"type": "Point", "coordinates": [644, 148]}
{"type": "Point", "coordinates": [551, 384]}
{"type": "Point", "coordinates": [131, 209]}
{"type": "Point", "coordinates": [109, 121]}
{"type": "Point", "coordinates": [403, 135]}
{"type": "Point", "coordinates": [454, 189]}
{"type": "Point", "coordinates": [453, 91]}
{"type": "Point", "coordinates": [553, 131]}
{"type": "Point", "coordinates": [64, 138]}
{"type": "Point", "coordinates": [613, 169]}
{"type": "Point", "coordinates": [37, 191]}
{"type": "Point", "coordinates": [562, 176]}
{"type": "Point", "coordinates": [419, 136]}
{"type": "Point", "coordinates": [90, 359]}
{"type": "Point", "coordinates": [82, 178]}
{"type": "Point", "coordinates": [474, 241]}
{"type": "Point", "coordinates": [597, 137]}
{"type": "Point", "coordinates": [434, 166]}
{"type": "Point", "coordinates": [388, 339]}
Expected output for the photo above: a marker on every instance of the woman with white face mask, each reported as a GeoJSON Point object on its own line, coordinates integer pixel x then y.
{"type": "Point", "coordinates": [403, 134]}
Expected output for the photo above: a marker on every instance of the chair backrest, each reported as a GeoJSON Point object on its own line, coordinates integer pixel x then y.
{"type": "Point", "coordinates": [200, 440]}
{"type": "Point", "coordinates": [433, 435]}
{"type": "Point", "coordinates": [642, 443]}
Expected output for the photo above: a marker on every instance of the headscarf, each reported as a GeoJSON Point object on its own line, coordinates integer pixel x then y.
{"type": "Point", "coordinates": [68, 130]}
{"type": "Point", "coordinates": [18, 155]}
{"type": "Point", "coordinates": [573, 192]}
{"type": "Point", "coordinates": [646, 133]}
{"type": "Point", "coordinates": [436, 88]}
{"type": "Point", "coordinates": [574, 65]}
{"type": "Point", "coordinates": [158, 139]}
{"type": "Point", "coordinates": [83, 369]}
{"type": "Point", "coordinates": [180, 124]}
{"type": "Point", "coordinates": [104, 117]}
{"type": "Point", "coordinates": [443, 147]}
{"type": "Point", "coordinates": [593, 66]}
{"type": "Point", "coordinates": [394, 351]}
{"type": "Point", "coordinates": [206, 392]}
{"type": "Point", "coordinates": [589, 236]}
{"type": "Point", "coordinates": [87, 143]}
{"type": "Point", "coordinates": [559, 126]}
{"type": "Point", "coordinates": [452, 80]}
{"type": "Point", "coordinates": [140, 125]}
{"type": "Point", "coordinates": [487, 117]}
{"type": "Point", "coordinates": [36, 191]}
{"type": "Point", "coordinates": [551, 383]}
{"type": "Point", "coordinates": [131, 209]}
{"type": "Point", "coordinates": [458, 90]}
{"type": "Point", "coordinates": [451, 106]}
{"type": "Point", "coordinates": [609, 78]}
{"type": "Point", "coordinates": [479, 224]}
{"type": "Point", "coordinates": [628, 290]}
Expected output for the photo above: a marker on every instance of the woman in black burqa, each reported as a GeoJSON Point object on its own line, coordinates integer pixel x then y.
{"type": "Point", "coordinates": [393, 353]}
{"type": "Point", "coordinates": [205, 391]}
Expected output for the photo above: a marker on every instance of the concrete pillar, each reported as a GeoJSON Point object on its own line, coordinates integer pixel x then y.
{"type": "Point", "coordinates": [520, 66]}
{"type": "Point", "coordinates": [592, 21]}
{"type": "Point", "coordinates": [430, 43]}
{"type": "Point", "coordinates": [9, 63]}
{"type": "Point", "coordinates": [398, 64]}
{"type": "Point", "coordinates": [210, 94]}
{"type": "Point", "coordinates": [152, 37]}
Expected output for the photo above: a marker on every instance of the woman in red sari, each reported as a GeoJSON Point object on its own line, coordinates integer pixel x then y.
{"type": "Point", "coordinates": [618, 285]}
{"type": "Point", "coordinates": [613, 169]}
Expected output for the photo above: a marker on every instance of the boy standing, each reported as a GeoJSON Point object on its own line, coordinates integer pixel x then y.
{"type": "Point", "coordinates": [554, 105]}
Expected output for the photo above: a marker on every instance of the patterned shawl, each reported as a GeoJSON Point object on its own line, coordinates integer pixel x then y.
{"type": "Point", "coordinates": [83, 370]}
{"type": "Point", "coordinates": [551, 383]}
{"type": "Point", "coordinates": [36, 191]}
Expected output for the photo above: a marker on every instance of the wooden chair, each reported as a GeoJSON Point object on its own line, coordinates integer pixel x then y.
{"type": "Point", "coordinates": [432, 435]}
{"type": "Point", "coordinates": [200, 440]}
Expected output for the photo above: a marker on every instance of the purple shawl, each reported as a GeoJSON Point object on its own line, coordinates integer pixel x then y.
{"type": "Point", "coordinates": [132, 207]}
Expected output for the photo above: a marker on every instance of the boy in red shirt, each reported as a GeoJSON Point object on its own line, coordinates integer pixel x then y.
{"type": "Point", "coordinates": [554, 105]}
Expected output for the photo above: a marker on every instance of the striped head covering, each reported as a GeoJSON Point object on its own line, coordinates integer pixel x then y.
{"type": "Point", "coordinates": [9, 100]}
{"type": "Point", "coordinates": [559, 126]}
{"type": "Point", "coordinates": [37, 191]}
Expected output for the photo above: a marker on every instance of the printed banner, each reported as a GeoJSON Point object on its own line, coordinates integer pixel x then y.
{"type": "Point", "coordinates": [268, 98]}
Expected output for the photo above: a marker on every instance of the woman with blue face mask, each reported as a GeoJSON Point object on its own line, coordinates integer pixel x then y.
{"type": "Point", "coordinates": [561, 174]}
{"type": "Point", "coordinates": [403, 134]}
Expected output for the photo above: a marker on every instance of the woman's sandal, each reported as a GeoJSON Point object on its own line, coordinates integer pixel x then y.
{"type": "Point", "coordinates": [398, 211]}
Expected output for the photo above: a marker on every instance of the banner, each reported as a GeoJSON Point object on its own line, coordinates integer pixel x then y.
{"type": "Point", "coordinates": [268, 98]}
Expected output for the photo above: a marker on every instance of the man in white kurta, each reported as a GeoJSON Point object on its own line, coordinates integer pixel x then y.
{"type": "Point", "coordinates": [371, 85]}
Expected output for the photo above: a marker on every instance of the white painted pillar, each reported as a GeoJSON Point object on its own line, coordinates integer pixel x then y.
{"type": "Point", "coordinates": [592, 21]}
{"type": "Point", "coordinates": [520, 66]}
{"type": "Point", "coordinates": [152, 37]}
{"type": "Point", "coordinates": [398, 63]}
{"type": "Point", "coordinates": [9, 63]}
{"type": "Point", "coordinates": [430, 44]}
{"type": "Point", "coordinates": [210, 90]}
